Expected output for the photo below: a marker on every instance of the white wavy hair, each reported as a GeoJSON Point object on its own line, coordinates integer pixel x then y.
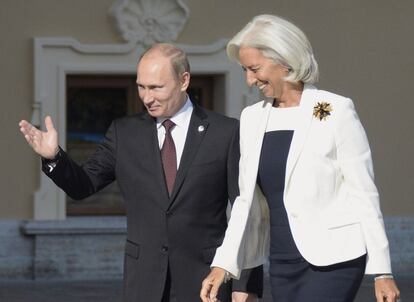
{"type": "Point", "coordinates": [280, 40]}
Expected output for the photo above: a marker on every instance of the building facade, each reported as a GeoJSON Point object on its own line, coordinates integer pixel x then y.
{"type": "Point", "coordinates": [68, 58]}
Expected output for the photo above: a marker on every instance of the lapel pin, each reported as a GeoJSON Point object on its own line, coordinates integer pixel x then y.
{"type": "Point", "coordinates": [200, 128]}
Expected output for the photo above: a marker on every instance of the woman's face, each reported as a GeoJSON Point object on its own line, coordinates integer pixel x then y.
{"type": "Point", "coordinates": [263, 72]}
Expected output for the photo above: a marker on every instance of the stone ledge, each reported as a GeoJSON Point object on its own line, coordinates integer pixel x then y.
{"type": "Point", "coordinates": [16, 252]}
{"type": "Point", "coordinates": [400, 232]}
{"type": "Point", "coordinates": [77, 225]}
{"type": "Point", "coordinates": [93, 248]}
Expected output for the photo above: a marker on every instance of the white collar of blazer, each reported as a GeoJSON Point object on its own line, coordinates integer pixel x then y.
{"type": "Point", "coordinates": [299, 137]}
{"type": "Point", "coordinates": [307, 102]}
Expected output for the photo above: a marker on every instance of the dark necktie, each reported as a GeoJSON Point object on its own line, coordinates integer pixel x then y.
{"type": "Point", "coordinates": [169, 156]}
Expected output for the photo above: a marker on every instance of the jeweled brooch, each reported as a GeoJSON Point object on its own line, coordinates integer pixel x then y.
{"type": "Point", "coordinates": [322, 110]}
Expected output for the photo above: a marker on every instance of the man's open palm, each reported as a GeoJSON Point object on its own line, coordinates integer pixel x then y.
{"type": "Point", "coordinates": [44, 143]}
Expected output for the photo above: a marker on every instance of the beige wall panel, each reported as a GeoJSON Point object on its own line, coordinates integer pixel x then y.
{"type": "Point", "coordinates": [17, 176]}
{"type": "Point", "coordinates": [364, 49]}
{"type": "Point", "coordinates": [20, 21]}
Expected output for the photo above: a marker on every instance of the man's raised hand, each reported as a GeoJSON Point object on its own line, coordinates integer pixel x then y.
{"type": "Point", "coordinates": [44, 143]}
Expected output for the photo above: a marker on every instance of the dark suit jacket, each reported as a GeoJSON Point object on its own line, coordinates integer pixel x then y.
{"type": "Point", "coordinates": [181, 232]}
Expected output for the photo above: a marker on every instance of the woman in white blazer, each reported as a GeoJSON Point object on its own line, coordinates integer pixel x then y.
{"type": "Point", "coordinates": [308, 201]}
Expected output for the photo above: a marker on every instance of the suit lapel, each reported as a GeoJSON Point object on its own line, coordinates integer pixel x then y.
{"type": "Point", "coordinates": [196, 131]}
{"type": "Point", "coordinates": [149, 131]}
{"type": "Point", "coordinates": [301, 133]}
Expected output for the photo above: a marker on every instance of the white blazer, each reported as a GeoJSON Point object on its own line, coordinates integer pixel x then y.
{"type": "Point", "coordinates": [330, 196]}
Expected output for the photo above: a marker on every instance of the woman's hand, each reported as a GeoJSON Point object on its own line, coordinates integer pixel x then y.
{"type": "Point", "coordinates": [386, 290]}
{"type": "Point", "coordinates": [211, 285]}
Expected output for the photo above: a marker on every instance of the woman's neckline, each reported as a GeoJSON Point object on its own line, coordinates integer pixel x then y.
{"type": "Point", "coordinates": [286, 108]}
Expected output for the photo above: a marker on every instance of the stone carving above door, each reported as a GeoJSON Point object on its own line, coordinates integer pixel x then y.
{"type": "Point", "coordinates": [149, 21]}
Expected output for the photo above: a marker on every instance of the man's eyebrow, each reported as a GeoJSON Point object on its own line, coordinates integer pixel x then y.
{"type": "Point", "coordinates": [150, 85]}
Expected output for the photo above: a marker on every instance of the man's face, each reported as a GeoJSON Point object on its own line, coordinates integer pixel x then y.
{"type": "Point", "coordinates": [161, 92]}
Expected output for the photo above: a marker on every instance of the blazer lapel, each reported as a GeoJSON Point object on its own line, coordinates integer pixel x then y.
{"type": "Point", "coordinates": [196, 132]}
{"type": "Point", "coordinates": [254, 144]}
{"type": "Point", "coordinates": [301, 133]}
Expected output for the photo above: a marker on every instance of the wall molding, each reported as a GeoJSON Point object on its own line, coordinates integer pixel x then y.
{"type": "Point", "coordinates": [149, 21]}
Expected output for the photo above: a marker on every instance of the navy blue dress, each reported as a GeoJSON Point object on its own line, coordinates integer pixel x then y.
{"type": "Point", "coordinates": [292, 278]}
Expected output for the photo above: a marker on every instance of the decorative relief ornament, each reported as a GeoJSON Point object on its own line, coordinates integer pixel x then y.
{"type": "Point", "coordinates": [322, 110]}
{"type": "Point", "coordinates": [149, 21]}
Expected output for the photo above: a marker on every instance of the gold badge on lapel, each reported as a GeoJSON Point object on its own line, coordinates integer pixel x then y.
{"type": "Point", "coordinates": [322, 110]}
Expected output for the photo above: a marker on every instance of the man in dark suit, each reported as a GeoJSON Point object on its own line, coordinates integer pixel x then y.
{"type": "Point", "coordinates": [177, 167]}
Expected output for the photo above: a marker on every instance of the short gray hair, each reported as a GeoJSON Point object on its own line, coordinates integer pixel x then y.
{"type": "Point", "coordinates": [177, 56]}
{"type": "Point", "coordinates": [280, 40]}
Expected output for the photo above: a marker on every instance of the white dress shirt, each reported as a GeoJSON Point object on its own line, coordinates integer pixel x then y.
{"type": "Point", "coordinates": [179, 133]}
